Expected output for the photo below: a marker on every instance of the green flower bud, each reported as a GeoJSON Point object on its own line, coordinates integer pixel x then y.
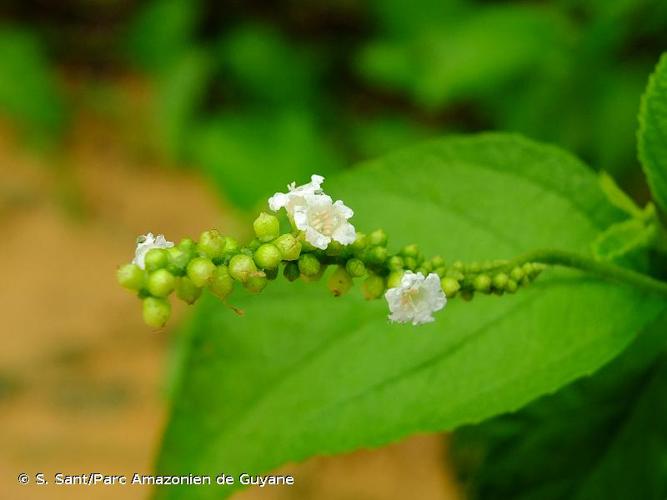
{"type": "Point", "coordinates": [437, 262]}
{"type": "Point", "coordinates": [377, 255]}
{"type": "Point", "coordinates": [241, 266]}
{"type": "Point", "coordinates": [339, 282]}
{"type": "Point", "coordinates": [360, 243]}
{"type": "Point", "coordinates": [377, 238]}
{"type": "Point", "coordinates": [517, 274]}
{"type": "Point", "coordinates": [458, 265]}
{"type": "Point", "coordinates": [231, 245]}
{"type": "Point", "coordinates": [511, 286]}
{"type": "Point", "coordinates": [177, 260]}
{"type": "Point", "coordinates": [441, 271]}
{"type": "Point", "coordinates": [309, 265]}
{"type": "Point", "coordinates": [454, 273]}
{"type": "Point", "coordinates": [291, 271]}
{"type": "Point", "coordinates": [410, 251]}
{"type": "Point", "coordinates": [221, 283]}
{"type": "Point", "coordinates": [267, 256]}
{"type": "Point", "coordinates": [473, 267]}
{"type": "Point", "coordinates": [254, 245]}
{"type": "Point", "coordinates": [267, 227]}
{"type": "Point", "coordinates": [410, 262]}
{"type": "Point", "coordinates": [271, 274]}
{"type": "Point", "coordinates": [187, 291]}
{"type": "Point", "coordinates": [187, 245]}
{"type": "Point", "coordinates": [355, 267]}
{"type": "Point", "coordinates": [482, 283]}
{"type": "Point", "coordinates": [130, 276]}
{"type": "Point", "coordinates": [394, 278]}
{"type": "Point", "coordinates": [156, 258]}
{"type": "Point", "coordinates": [450, 286]}
{"type": "Point", "coordinates": [427, 268]}
{"type": "Point", "coordinates": [315, 277]}
{"type": "Point", "coordinates": [334, 248]}
{"type": "Point", "coordinates": [289, 246]}
{"type": "Point", "coordinates": [200, 270]}
{"type": "Point", "coordinates": [373, 287]}
{"type": "Point", "coordinates": [256, 282]}
{"type": "Point", "coordinates": [500, 281]}
{"type": "Point", "coordinates": [160, 283]}
{"type": "Point", "coordinates": [211, 244]}
{"type": "Point", "coordinates": [156, 311]}
{"type": "Point", "coordinates": [395, 263]}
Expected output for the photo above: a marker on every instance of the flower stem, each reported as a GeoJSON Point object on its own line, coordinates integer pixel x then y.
{"type": "Point", "coordinates": [601, 269]}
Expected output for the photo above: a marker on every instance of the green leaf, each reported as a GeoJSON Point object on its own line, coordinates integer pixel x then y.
{"type": "Point", "coordinates": [601, 437]}
{"type": "Point", "coordinates": [653, 133]}
{"type": "Point", "coordinates": [28, 89]}
{"type": "Point", "coordinates": [302, 373]}
{"type": "Point", "coordinates": [624, 238]}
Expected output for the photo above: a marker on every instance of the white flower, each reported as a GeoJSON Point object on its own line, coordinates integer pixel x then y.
{"type": "Point", "coordinates": [321, 220]}
{"type": "Point", "coordinates": [146, 243]}
{"type": "Point", "coordinates": [295, 195]}
{"type": "Point", "coordinates": [415, 299]}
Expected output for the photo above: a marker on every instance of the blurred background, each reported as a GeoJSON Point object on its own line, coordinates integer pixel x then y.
{"type": "Point", "coordinates": [119, 117]}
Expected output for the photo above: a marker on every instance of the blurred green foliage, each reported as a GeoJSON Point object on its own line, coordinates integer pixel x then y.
{"type": "Point", "coordinates": [29, 93]}
{"type": "Point", "coordinates": [362, 77]}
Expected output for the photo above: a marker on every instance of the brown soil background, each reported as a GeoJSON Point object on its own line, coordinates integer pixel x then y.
{"type": "Point", "coordinates": [81, 377]}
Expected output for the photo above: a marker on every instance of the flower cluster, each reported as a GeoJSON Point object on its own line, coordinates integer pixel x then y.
{"type": "Point", "coordinates": [320, 236]}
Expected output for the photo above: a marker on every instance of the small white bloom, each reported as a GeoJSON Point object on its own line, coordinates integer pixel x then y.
{"type": "Point", "coordinates": [146, 243]}
{"type": "Point", "coordinates": [295, 195]}
{"type": "Point", "coordinates": [321, 220]}
{"type": "Point", "coordinates": [415, 299]}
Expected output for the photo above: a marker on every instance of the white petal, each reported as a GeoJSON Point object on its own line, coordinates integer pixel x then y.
{"type": "Point", "coordinates": [278, 201]}
{"type": "Point", "coordinates": [345, 234]}
{"type": "Point", "coordinates": [318, 240]}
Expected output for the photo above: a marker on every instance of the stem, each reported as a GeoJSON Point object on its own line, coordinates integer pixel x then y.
{"type": "Point", "coordinates": [601, 269]}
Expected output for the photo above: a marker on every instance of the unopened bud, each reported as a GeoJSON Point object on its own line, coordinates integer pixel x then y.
{"type": "Point", "coordinates": [267, 227]}
{"type": "Point", "coordinates": [450, 286]}
{"type": "Point", "coordinates": [211, 244]}
{"type": "Point", "coordinates": [130, 276]}
{"type": "Point", "coordinates": [291, 271]}
{"type": "Point", "coordinates": [187, 291]}
{"type": "Point", "coordinates": [267, 256]}
{"type": "Point", "coordinates": [160, 283]}
{"type": "Point", "coordinates": [309, 265]}
{"type": "Point", "coordinates": [156, 258]}
{"type": "Point", "coordinates": [256, 282]}
{"type": "Point", "coordinates": [156, 311]}
{"type": "Point", "coordinates": [221, 283]}
{"type": "Point", "coordinates": [377, 238]}
{"type": "Point", "coordinates": [340, 281]}
{"type": "Point", "coordinates": [200, 270]}
{"type": "Point", "coordinates": [241, 266]}
{"type": "Point", "coordinates": [394, 278]}
{"type": "Point", "coordinates": [482, 283]}
{"type": "Point", "coordinates": [373, 287]}
{"type": "Point", "coordinates": [356, 268]}
{"type": "Point", "coordinates": [289, 246]}
{"type": "Point", "coordinates": [177, 260]}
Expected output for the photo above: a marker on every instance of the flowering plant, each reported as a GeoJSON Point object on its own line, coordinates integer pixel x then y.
{"type": "Point", "coordinates": [302, 374]}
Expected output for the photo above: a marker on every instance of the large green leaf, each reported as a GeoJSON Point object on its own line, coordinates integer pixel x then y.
{"type": "Point", "coordinates": [653, 133]}
{"type": "Point", "coordinates": [302, 373]}
{"type": "Point", "coordinates": [603, 437]}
